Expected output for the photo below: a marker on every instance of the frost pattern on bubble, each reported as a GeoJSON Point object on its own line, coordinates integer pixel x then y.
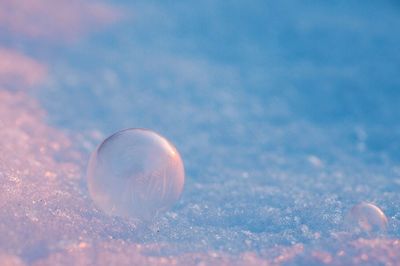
{"type": "Point", "coordinates": [135, 173]}
{"type": "Point", "coordinates": [366, 218]}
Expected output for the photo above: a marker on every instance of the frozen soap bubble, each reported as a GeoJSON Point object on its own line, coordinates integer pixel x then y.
{"type": "Point", "coordinates": [135, 173]}
{"type": "Point", "coordinates": [366, 218]}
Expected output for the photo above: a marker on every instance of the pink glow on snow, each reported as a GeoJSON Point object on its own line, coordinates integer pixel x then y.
{"type": "Point", "coordinates": [19, 70]}
{"type": "Point", "coordinates": [55, 19]}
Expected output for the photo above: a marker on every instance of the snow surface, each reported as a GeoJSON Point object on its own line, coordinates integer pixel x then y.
{"type": "Point", "coordinates": [286, 115]}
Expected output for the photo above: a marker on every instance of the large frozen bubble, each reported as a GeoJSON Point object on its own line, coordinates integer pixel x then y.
{"type": "Point", "coordinates": [135, 173]}
{"type": "Point", "coordinates": [366, 218]}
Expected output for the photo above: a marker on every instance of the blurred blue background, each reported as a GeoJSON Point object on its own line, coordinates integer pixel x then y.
{"type": "Point", "coordinates": [231, 70]}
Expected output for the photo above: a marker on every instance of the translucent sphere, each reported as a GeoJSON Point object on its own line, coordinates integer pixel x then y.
{"type": "Point", "coordinates": [135, 173]}
{"type": "Point", "coordinates": [366, 218]}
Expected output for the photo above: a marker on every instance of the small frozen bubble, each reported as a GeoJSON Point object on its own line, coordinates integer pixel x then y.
{"type": "Point", "coordinates": [366, 218]}
{"type": "Point", "coordinates": [135, 173]}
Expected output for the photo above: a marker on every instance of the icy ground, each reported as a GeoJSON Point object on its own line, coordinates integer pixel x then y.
{"type": "Point", "coordinates": [285, 113]}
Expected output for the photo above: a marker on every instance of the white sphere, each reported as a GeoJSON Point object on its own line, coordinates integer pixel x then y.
{"type": "Point", "coordinates": [135, 173]}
